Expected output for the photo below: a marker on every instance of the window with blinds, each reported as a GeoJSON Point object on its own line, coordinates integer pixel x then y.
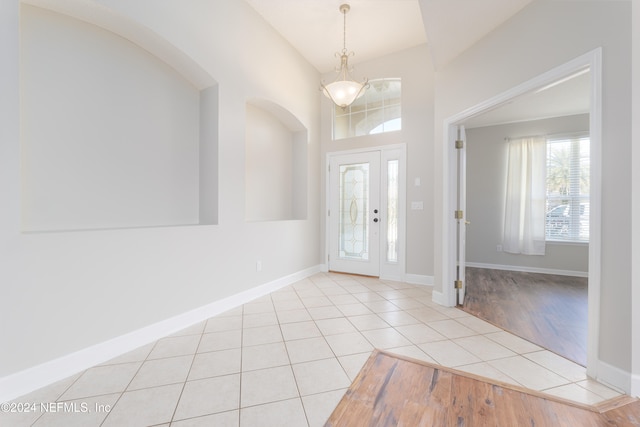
{"type": "Point", "coordinates": [568, 161]}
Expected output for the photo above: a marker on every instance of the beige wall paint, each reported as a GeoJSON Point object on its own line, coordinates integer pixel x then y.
{"type": "Point", "coordinates": [542, 36]}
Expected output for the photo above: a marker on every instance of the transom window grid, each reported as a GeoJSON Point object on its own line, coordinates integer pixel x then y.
{"type": "Point", "coordinates": [377, 111]}
{"type": "Point", "coordinates": [568, 188]}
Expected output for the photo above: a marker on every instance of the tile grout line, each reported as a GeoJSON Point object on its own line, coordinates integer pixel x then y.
{"type": "Point", "coordinates": [242, 313]}
{"type": "Point", "coordinates": [184, 384]}
{"type": "Point", "coordinates": [129, 383]}
{"type": "Point", "coordinates": [293, 374]}
{"type": "Point", "coordinates": [332, 290]}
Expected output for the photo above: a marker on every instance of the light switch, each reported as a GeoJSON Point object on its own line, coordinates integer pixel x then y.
{"type": "Point", "coordinates": [417, 206]}
{"type": "Point", "coordinates": [417, 182]}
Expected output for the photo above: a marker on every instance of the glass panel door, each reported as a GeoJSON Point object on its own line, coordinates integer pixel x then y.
{"type": "Point", "coordinates": [355, 213]}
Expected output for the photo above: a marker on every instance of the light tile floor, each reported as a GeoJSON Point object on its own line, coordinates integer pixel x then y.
{"type": "Point", "coordinates": [287, 358]}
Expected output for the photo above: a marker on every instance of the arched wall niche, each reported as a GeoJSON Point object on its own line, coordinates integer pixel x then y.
{"type": "Point", "coordinates": [276, 165]}
{"type": "Point", "coordinates": [119, 127]}
{"type": "Point", "coordinates": [103, 17]}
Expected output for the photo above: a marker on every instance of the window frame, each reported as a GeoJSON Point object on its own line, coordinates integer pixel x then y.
{"type": "Point", "coordinates": [574, 197]}
{"type": "Point", "coordinates": [358, 113]}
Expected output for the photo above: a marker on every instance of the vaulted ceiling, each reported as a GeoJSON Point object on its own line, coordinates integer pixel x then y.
{"type": "Point", "coordinates": [379, 27]}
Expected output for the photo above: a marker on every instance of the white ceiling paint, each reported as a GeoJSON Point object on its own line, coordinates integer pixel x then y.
{"type": "Point", "coordinates": [565, 99]}
{"type": "Point", "coordinates": [315, 27]}
{"type": "Point", "coordinates": [379, 27]}
{"type": "Point", "coordinates": [452, 26]}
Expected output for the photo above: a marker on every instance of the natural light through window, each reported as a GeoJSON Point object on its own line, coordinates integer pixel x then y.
{"type": "Point", "coordinates": [377, 111]}
{"type": "Point", "coordinates": [568, 166]}
{"type": "Point", "coordinates": [392, 210]}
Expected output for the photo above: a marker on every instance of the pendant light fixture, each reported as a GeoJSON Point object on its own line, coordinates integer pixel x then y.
{"type": "Point", "coordinates": [344, 90]}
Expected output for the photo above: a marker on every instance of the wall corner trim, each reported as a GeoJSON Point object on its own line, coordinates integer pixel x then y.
{"type": "Point", "coordinates": [28, 380]}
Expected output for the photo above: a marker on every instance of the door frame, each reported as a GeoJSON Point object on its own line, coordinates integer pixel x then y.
{"type": "Point", "coordinates": [388, 271]}
{"type": "Point", "coordinates": [593, 60]}
{"type": "Point", "coordinates": [461, 206]}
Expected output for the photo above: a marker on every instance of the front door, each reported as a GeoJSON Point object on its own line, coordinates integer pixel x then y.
{"type": "Point", "coordinates": [355, 213]}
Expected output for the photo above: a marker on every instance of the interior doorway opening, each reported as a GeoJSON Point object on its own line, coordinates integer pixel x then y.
{"type": "Point", "coordinates": [541, 297]}
{"type": "Point", "coordinates": [455, 235]}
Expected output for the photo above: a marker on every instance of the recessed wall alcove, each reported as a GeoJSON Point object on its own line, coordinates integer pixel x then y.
{"type": "Point", "coordinates": [275, 163]}
{"type": "Point", "coordinates": [119, 129]}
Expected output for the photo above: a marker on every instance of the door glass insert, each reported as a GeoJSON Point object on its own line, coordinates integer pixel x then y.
{"type": "Point", "coordinates": [354, 211]}
{"type": "Point", "coordinates": [392, 211]}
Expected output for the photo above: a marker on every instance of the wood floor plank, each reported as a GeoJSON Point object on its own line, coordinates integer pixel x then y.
{"type": "Point", "coordinates": [548, 310]}
{"type": "Point", "coordinates": [393, 390]}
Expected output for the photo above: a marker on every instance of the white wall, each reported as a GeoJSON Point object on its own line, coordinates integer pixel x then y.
{"type": "Point", "coordinates": [268, 167]}
{"type": "Point", "coordinates": [414, 67]}
{"type": "Point", "coordinates": [486, 191]}
{"type": "Point", "coordinates": [635, 197]}
{"type": "Point", "coordinates": [63, 292]}
{"type": "Point", "coordinates": [542, 36]}
{"type": "Point", "coordinates": [110, 136]}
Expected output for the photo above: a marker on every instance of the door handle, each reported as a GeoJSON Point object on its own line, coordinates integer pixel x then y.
{"type": "Point", "coordinates": [375, 219]}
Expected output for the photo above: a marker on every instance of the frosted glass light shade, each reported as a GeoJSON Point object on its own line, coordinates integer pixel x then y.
{"type": "Point", "coordinates": [343, 92]}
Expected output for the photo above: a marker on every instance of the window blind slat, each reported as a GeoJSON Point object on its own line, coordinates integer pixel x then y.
{"type": "Point", "coordinates": [568, 161]}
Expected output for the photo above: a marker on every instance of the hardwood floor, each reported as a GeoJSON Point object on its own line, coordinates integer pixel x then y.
{"type": "Point", "coordinates": [393, 390]}
{"type": "Point", "coordinates": [548, 310]}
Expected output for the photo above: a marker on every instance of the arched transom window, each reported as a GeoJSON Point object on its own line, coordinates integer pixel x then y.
{"type": "Point", "coordinates": [377, 111]}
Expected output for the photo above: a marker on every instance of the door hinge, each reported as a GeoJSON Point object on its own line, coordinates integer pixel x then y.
{"type": "Point", "coordinates": [457, 284]}
{"type": "Point", "coordinates": [459, 144]}
{"type": "Point", "coordinates": [329, 212]}
{"type": "Point", "coordinates": [458, 214]}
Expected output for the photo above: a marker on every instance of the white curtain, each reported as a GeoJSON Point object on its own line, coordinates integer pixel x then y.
{"type": "Point", "coordinates": [525, 207]}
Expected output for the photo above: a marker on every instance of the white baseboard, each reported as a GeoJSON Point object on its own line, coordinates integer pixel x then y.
{"type": "Point", "coordinates": [438, 298]}
{"type": "Point", "coordinates": [28, 380]}
{"type": "Point", "coordinates": [528, 269]}
{"type": "Point", "coordinates": [615, 377]}
{"type": "Point", "coordinates": [635, 385]}
{"type": "Point", "coordinates": [418, 279]}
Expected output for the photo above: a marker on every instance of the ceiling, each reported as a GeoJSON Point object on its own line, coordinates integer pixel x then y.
{"type": "Point", "coordinates": [379, 27]}
{"type": "Point", "coordinates": [571, 96]}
